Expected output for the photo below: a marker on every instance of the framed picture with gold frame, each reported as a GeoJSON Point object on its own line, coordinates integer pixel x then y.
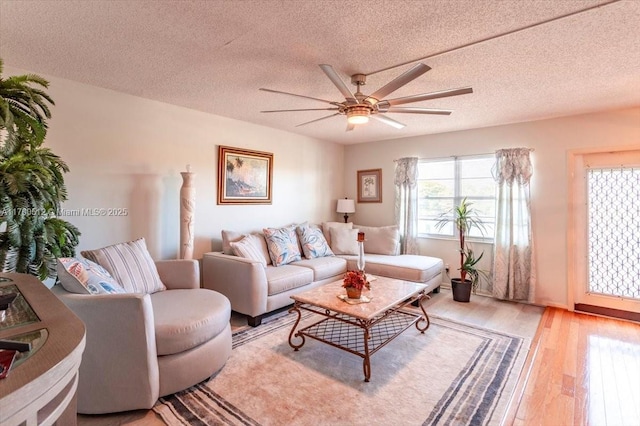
{"type": "Point", "coordinates": [244, 176]}
{"type": "Point", "coordinates": [370, 186]}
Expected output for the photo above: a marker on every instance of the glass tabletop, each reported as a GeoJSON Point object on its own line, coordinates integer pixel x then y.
{"type": "Point", "coordinates": [19, 311]}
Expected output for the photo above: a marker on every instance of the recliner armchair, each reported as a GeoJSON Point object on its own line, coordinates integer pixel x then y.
{"type": "Point", "coordinates": [144, 346]}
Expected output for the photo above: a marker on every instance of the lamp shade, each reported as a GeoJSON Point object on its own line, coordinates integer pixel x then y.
{"type": "Point", "coordinates": [346, 206]}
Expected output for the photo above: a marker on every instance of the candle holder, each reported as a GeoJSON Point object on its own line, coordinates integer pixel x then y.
{"type": "Point", "coordinates": [361, 261]}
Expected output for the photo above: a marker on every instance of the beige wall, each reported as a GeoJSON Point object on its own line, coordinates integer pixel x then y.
{"type": "Point", "coordinates": [551, 139]}
{"type": "Point", "coordinates": [128, 152]}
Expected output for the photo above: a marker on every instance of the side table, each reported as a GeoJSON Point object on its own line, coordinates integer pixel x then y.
{"type": "Point", "coordinates": [41, 386]}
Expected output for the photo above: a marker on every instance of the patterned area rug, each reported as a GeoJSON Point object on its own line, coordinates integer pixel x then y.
{"type": "Point", "coordinates": [454, 374]}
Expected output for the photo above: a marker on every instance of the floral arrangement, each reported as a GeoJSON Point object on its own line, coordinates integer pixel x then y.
{"type": "Point", "coordinates": [356, 279]}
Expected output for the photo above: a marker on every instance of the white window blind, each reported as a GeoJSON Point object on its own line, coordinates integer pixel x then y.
{"type": "Point", "coordinates": [443, 183]}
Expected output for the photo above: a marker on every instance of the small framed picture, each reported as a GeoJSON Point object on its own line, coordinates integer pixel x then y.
{"type": "Point", "coordinates": [370, 186]}
{"type": "Point", "coordinates": [244, 176]}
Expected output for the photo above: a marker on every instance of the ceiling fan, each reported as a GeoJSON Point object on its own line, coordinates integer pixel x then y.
{"type": "Point", "coordinates": [359, 107]}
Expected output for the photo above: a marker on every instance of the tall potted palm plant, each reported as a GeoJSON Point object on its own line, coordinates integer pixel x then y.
{"type": "Point", "coordinates": [31, 182]}
{"type": "Point", "coordinates": [465, 218]}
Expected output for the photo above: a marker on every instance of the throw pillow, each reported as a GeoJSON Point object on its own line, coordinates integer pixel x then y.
{"type": "Point", "coordinates": [313, 242]}
{"type": "Point", "coordinates": [326, 228]}
{"type": "Point", "coordinates": [84, 276]}
{"type": "Point", "coordinates": [381, 239]}
{"type": "Point", "coordinates": [283, 245]}
{"type": "Point", "coordinates": [229, 237]}
{"type": "Point", "coordinates": [263, 246]}
{"type": "Point", "coordinates": [250, 248]}
{"type": "Point", "coordinates": [130, 264]}
{"type": "Point", "coordinates": [344, 241]}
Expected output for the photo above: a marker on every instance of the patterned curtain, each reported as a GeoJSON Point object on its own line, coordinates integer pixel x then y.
{"type": "Point", "coordinates": [513, 258]}
{"type": "Point", "coordinates": [406, 183]}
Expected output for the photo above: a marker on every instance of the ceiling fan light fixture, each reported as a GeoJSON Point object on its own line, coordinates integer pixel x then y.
{"type": "Point", "coordinates": [358, 115]}
{"type": "Point", "coordinates": [359, 107]}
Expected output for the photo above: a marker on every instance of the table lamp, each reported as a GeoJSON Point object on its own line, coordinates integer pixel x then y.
{"type": "Point", "coordinates": [346, 206]}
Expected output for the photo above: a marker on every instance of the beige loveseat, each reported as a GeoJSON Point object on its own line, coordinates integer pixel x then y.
{"type": "Point", "coordinates": [255, 286]}
{"type": "Point", "coordinates": [141, 346]}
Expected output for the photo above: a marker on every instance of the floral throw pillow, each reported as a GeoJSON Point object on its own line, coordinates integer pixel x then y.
{"type": "Point", "coordinates": [80, 275]}
{"type": "Point", "coordinates": [313, 242]}
{"type": "Point", "coordinates": [283, 245]}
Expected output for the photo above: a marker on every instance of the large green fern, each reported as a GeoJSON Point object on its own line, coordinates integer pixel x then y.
{"type": "Point", "coordinates": [32, 185]}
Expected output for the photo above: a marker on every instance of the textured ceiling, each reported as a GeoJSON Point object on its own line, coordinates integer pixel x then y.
{"type": "Point", "coordinates": [213, 56]}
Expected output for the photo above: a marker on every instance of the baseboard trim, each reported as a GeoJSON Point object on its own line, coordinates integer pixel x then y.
{"type": "Point", "coordinates": [607, 312]}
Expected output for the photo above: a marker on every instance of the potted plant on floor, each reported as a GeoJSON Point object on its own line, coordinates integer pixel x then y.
{"type": "Point", "coordinates": [32, 185]}
{"type": "Point", "coordinates": [465, 218]}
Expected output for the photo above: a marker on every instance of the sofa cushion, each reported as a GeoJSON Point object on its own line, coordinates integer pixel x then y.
{"type": "Point", "coordinates": [287, 277]}
{"type": "Point", "coordinates": [283, 245]}
{"type": "Point", "coordinates": [184, 319]}
{"type": "Point", "coordinates": [130, 264]}
{"type": "Point", "coordinates": [381, 239]}
{"type": "Point", "coordinates": [344, 241]}
{"type": "Point", "coordinates": [408, 267]}
{"type": "Point", "coordinates": [249, 247]}
{"type": "Point", "coordinates": [324, 267]}
{"type": "Point", "coordinates": [313, 242]}
{"type": "Point", "coordinates": [80, 275]}
{"type": "Point", "coordinates": [326, 229]}
{"type": "Point", "coordinates": [229, 237]}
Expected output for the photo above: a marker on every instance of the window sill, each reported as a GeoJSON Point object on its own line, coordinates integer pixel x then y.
{"type": "Point", "coordinates": [468, 239]}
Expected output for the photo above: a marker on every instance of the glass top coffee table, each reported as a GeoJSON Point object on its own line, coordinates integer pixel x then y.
{"type": "Point", "coordinates": [377, 322]}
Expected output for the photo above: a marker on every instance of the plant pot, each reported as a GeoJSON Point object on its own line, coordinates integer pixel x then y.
{"type": "Point", "coordinates": [461, 290]}
{"type": "Point", "coordinates": [353, 293]}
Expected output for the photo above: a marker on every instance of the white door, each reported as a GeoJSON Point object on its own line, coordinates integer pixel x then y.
{"type": "Point", "coordinates": [607, 230]}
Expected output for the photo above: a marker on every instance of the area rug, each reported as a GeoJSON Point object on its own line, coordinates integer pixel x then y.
{"type": "Point", "coordinates": [454, 374]}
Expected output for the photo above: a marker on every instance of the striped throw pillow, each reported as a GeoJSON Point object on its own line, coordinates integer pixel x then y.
{"type": "Point", "coordinates": [130, 264]}
{"type": "Point", "coordinates": [249, 247]}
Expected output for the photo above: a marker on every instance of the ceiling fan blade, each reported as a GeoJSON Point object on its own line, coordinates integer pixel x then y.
{"type": "Point", "coordinates": [337, 81]}
{"type": "Point", "coordinates": [300, 96]}
{"type": "Point", "coordinates": [306, 109]}
{"type": "Point", "coordinates": [418, 110]}
{"type": "Point", "coordinates": [350, 126]}
{"type": "Point", "coordinates": [318, 119]}
{"type": "Point", "coordinates": [386, 120]}
{"type": "Point", "coordinates": [400, 81]}
{"type": "Point", "coordinates": [424, 97]}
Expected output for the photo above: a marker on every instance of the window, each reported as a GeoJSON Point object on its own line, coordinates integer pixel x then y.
{"type": "Point", "coordinates": [443, 183]}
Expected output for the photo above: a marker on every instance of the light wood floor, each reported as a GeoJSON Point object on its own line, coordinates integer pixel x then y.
{"type": "Point", "coordinates": [586, 371]}
{"type": "Point", "coordinates": [580, 370]}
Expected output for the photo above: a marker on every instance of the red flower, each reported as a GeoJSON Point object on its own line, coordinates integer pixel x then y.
{"type": "Point", "coordinates": [355, 279]}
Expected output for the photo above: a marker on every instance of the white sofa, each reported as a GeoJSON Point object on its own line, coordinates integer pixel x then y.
{"type": "Point", "coordinates": [256, 287]}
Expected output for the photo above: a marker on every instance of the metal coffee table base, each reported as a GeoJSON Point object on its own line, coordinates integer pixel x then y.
{"type": "Point", "coordinates": [358, 336]}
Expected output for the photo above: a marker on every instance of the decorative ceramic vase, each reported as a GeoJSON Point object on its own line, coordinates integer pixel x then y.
{"type": "Point", "coordinates": [187, 211]}
{"type": "Point", "coordinates": [354, 293]}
